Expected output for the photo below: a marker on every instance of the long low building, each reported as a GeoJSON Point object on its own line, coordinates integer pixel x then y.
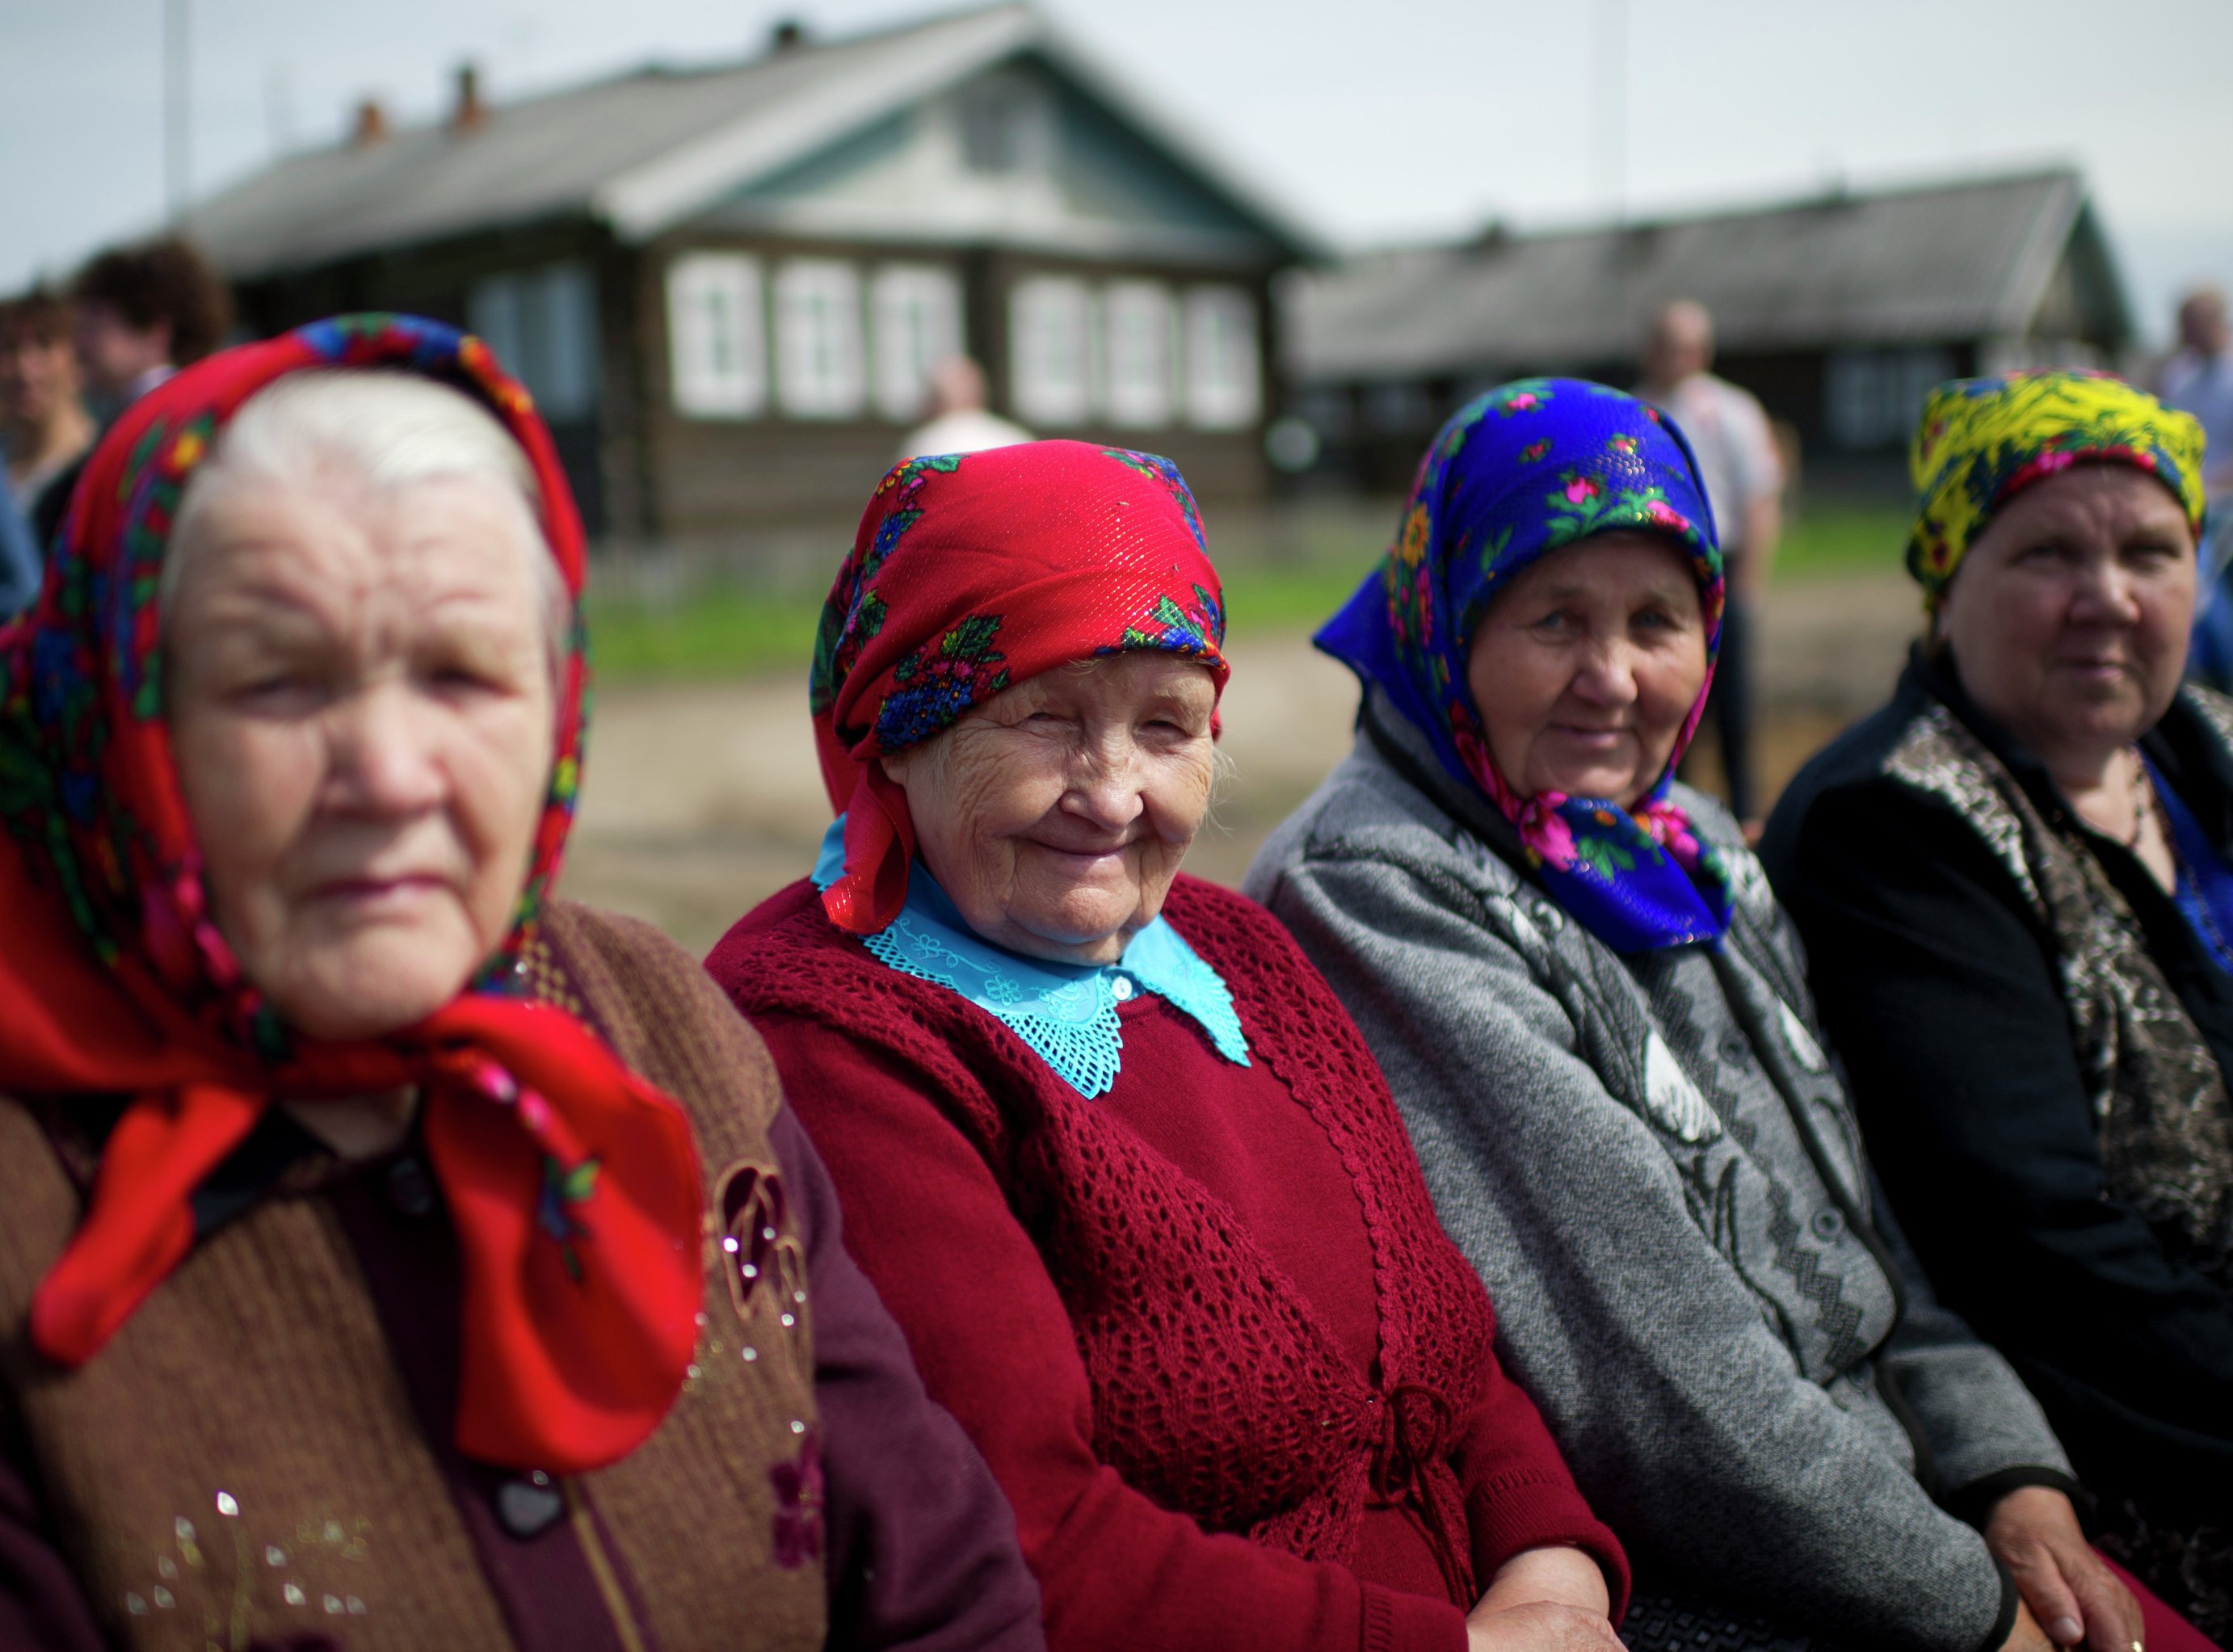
{"type": "Point", "coordinates": [1838, 312]}
{"type": "Point", "coordinates": [725, 286]}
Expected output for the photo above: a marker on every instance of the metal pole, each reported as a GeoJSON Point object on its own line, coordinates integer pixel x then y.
{"type": "Point", "coordinates": [178, 124]}
{"type": "Point", "coordinates": [1611, 145]}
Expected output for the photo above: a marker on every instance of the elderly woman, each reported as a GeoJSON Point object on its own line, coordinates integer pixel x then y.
{"type": "Point", "coordinates": [1109, 1148]}
{"type": "Point", "coordinates": [2017, 884]}
{"type": "Point", "coordinates": [390, 1256]}
{"type": "Point", "coordinates": [1594, 1019]}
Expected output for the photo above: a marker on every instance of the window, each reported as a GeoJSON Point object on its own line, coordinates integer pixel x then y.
{"type": "Point", "coordinates": [1140, 324]}
{"type": "Point", "coordinates": [1224, 376]}
{"type": "Point", "coordinates": [543, 326]}
{"type": "Point", "coordinates": [1004, 128]}
{"type": "Point", "coordinates": [821, 370]}
{"type": "Point", "coordinates": [717, 342]}
{"type": "Point", "coordinates": [1872, 398]}
{"type": "Point", "coordinates": [1051, 339]}
{"type": "Point", "coordinates": [917, 313]}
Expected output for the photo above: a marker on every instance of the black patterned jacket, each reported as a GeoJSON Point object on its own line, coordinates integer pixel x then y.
{"type": "Point", "coordinates": [2038, 1041]}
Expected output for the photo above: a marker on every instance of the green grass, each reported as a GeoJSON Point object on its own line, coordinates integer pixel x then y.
{"type": "Point", "coordinates": [1844, 539]}
{"type": "Point", "coordinates": [734, 631]}
{"type": "Point", "coordinates": [727, 631]}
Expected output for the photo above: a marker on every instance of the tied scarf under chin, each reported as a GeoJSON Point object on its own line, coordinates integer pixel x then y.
{"type": "Point", "coordinates": [970, 573]}
{"type": "Point", "coordinates": [1518, 474]}
{"type": "Point", "coordinates": [572, 1184]}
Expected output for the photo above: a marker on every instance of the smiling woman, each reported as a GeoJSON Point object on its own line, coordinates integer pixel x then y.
{"type": "Point", "coordinates": [1110, 1148]}
{"type": "Point", "coordinates": [363, 1209]}
{"type": "Point", "coordinates": [1596, 1022]}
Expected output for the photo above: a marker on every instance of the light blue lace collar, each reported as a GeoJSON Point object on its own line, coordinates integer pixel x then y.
{"type": "Point", "coordinates": [1066, 1013]}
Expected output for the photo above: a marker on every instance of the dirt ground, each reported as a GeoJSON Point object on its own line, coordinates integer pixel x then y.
{"type": "Point", "coordinates": [700, 800]}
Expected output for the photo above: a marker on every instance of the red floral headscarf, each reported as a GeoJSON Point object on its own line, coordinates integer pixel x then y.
{"type": "Point", "coordinates": [973, 571]}
{"type": "Point", "coordinates": [572, 1183]}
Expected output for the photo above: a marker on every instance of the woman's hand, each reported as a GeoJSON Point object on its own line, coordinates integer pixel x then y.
{"type": "Point", "coordinates": [1551, 1599]}
{"type": "Point", "coordinates": [1540, 1626]}
{"type": "Point", "coordinates": [2073, 1599]}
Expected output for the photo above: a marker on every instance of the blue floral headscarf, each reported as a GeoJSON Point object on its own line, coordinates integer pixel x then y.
{"type": "Point", "coordinates": [1518, 473]}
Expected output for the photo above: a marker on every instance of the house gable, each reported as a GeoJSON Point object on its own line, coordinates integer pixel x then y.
{"type": "Point", "coordinates": [1083, 180]}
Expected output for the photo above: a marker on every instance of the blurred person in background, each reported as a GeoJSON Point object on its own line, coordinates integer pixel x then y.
{"type": "Point", "coordinates": [2015, 886]}
{"type": "Point", "coordinates": [19, 556]}
{"type": "Point", "coordinates": [393, 1255]}
{"type": "Point", "coordinates": [141, 314]}
{"type": "Point", "coordinates": [2199, 379]}
{"type": "Point", "coordinates": [44, 428]}
{"type": "Point", "coordinates": [1728, 431]}
{"type": "Point", "coordinates": [959, 422]}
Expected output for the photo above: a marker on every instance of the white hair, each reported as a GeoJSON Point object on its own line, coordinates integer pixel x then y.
{"type": "Point", "coordinates": [392, 429]}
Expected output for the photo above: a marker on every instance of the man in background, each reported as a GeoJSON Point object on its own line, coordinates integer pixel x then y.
{"type": "Point", "coordinates": [1743, 474]}
{"type": "Point", "coordinates": [44, 427]}
{"type": "Point", "coordinates": [143, 313]}
{"type": "Point", "coordinates": [960, 422]}
{"type": "Point", "coordinates": [2199, 379]}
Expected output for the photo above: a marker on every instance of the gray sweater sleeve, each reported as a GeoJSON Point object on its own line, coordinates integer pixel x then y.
{"type": "Point", "coordinates": [1986, 1434]}
{"type": "Point", "coordinates": [1685, 1418]}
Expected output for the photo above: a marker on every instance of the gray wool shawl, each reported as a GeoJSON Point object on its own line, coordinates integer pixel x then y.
{"type": "Point", "coordinates": [1656, 1168]}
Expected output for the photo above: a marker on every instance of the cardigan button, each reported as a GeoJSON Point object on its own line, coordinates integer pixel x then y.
{"type": "Point", "coordinates": [409, 1190]}
{"type": "Point", "coordinates": [1827, 1224]}
{"type": "Point", "coordinates": [529, 1506]}
{"type": "Point", "coordinates": [1121, 988]}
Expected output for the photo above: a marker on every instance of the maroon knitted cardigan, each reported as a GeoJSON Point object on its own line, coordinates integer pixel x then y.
{"type": "Point", "coordinates": [1217, 1389]}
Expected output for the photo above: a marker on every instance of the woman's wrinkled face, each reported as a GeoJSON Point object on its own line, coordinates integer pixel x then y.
{"type": "Point", "coordinates": [362, 711]}
{"type": "Point", "coordinates": [1585, 666]}
{"type": "Point", "coordinates": [2067, 618]}
{"type": "Point", "coordinates": [1055, 814]}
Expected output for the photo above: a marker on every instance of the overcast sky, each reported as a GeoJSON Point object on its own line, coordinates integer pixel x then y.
{"type": "Point", "coordinates": [1393, 119]}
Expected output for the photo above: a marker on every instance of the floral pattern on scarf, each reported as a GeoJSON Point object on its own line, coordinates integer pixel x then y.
{"type": "Point", "coordinates": [578, 1239]}
{"type": "Point", "coordinates": [1517, 474]}
{"type": "Point", "coordinates": [970, 573]}
{"type": "Point", "coordinates": [1981, 441]}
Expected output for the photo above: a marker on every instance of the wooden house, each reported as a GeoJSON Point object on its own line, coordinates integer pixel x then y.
{"type": "Point", "coordinates": [1838, 312]}
{"type": "Point", "coordinates": [725, 286]}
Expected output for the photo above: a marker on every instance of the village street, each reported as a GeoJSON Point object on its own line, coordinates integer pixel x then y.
{"type": "Point", "coordinates": [700, 799]}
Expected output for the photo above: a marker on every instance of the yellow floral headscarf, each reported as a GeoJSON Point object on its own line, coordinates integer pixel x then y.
{"type": "Point", "coordinates": [1983, 440]}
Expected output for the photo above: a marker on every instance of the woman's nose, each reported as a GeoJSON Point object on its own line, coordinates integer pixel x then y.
{"type": "Point", "coordinates": [1104, 785]}
{"type": "Point", "coordinates": [383, 751]}
{"type": "Point", "coordinates": [2108, 594]}
{"type": "Point", "coordinates": [1607, 675]}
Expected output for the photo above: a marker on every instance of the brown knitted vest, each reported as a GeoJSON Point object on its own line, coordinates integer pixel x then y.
{"type": "Point", "coordinates": [241, 1462]}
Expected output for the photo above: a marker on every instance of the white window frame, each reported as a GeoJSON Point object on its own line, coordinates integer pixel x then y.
{"type": "Point", "coordinates": [1052, 346]}
{"type": "Point", "coordinates": [1224, 361]}
{"type": "Point", "coordinates": [1140, 339]}
{"type": "Point", "coordinates": [717, 336]}
{"type": "Point", "coordinates": [821, 357]}
{"type": "Point", "coordinates": [915, 316]}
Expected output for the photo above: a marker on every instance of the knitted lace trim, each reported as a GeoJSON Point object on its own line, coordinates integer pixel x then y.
{"type": "Point", "coordinates": [1066, 1014]}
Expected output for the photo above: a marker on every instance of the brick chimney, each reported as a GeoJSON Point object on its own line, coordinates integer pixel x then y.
{"type": "Point", "coordinates": [370, 125]}
{"type": "Point", "coordinates": [468, 112]}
